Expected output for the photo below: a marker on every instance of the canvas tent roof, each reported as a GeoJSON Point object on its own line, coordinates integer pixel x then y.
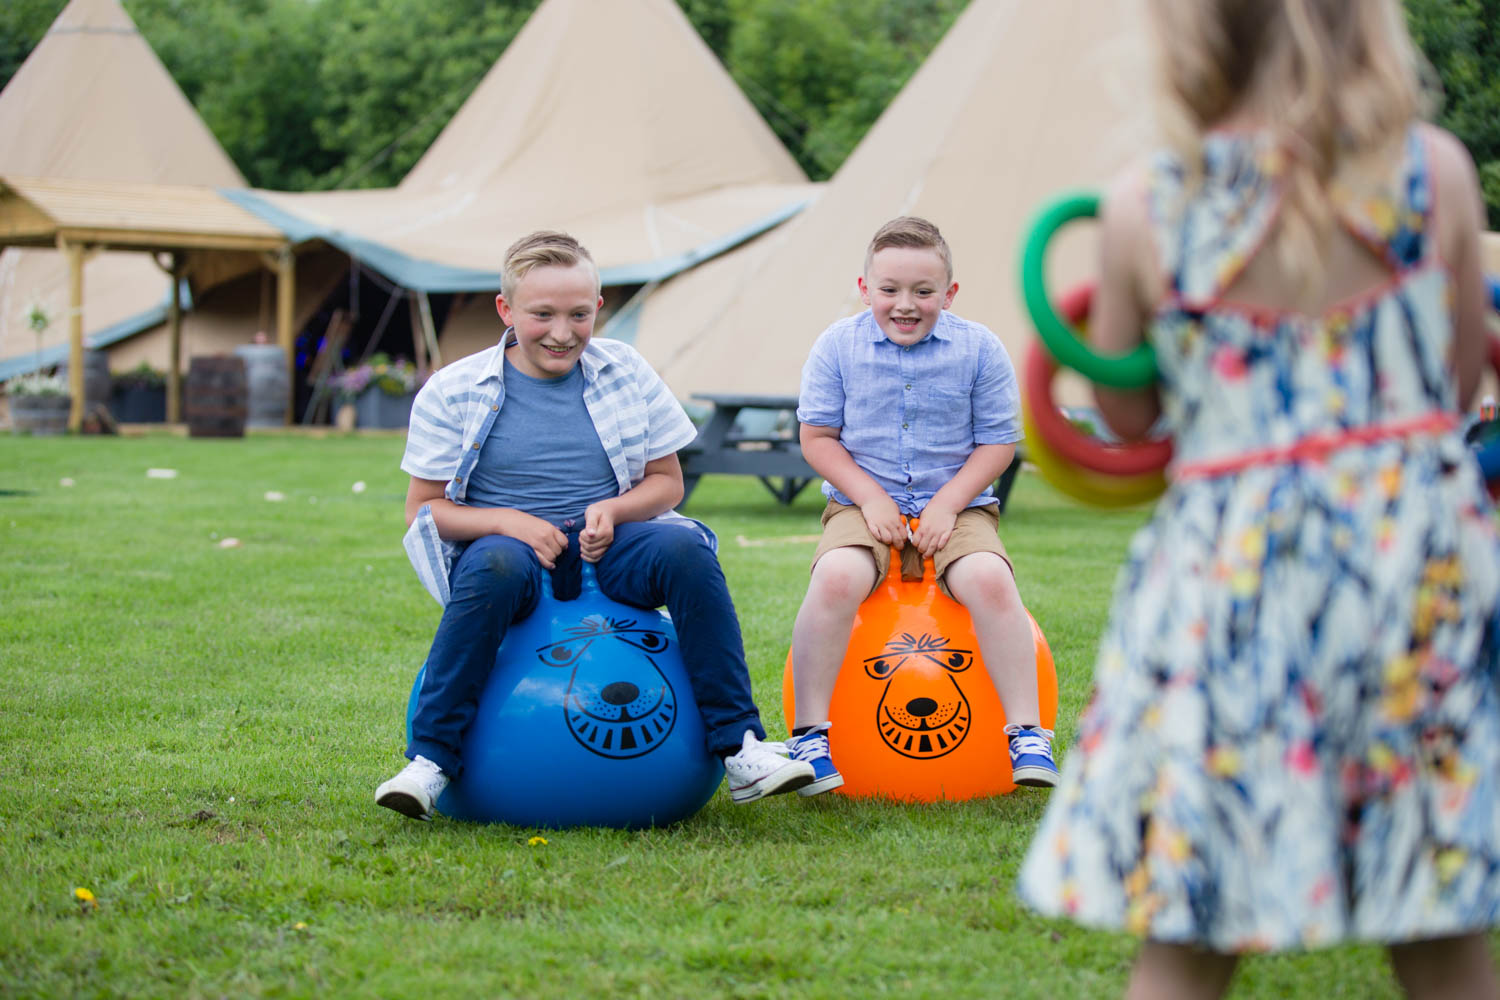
{"type": "Point", "coordinates": [1019, 101]}
{"type": "Point", "coordinates": [93, 102]}
{"type": "Point", "coordinates": [637, 142]}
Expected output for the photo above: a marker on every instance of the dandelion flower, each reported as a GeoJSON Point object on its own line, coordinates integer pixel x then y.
{"type": "Point", "coordinates": [537, 842]}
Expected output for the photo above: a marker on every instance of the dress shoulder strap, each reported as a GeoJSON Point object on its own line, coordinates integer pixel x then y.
{"type": "Point", "coordinates": [1396, 219]}
{"type": "Point", "coordinates": [1209, 222]}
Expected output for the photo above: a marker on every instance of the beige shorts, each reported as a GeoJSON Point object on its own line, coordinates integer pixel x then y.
{"type": "Point", "coordinates": [975, 530]}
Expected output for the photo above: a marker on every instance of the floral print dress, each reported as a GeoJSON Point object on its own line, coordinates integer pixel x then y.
{"type": "Point", "coordinates": [1294, 737]}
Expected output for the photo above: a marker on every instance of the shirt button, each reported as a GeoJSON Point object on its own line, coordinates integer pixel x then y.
{"type": "Point", "coordinates": [903, 427]}
{"type": "Point", "coordinates": [458, 479]}
{"type": "Point", "coordinates": [496, 407]}
{"type": "Point", "coordinates": [476, 445]}
{"type": "Point", "coordinates": [908, 387]}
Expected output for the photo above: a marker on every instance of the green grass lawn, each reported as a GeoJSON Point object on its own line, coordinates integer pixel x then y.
{"type": "Point", "coordinates": [193, 733]}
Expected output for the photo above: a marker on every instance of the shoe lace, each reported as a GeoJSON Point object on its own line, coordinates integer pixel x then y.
{"type": "Point", "coordinates": [810, 747]}
{"type": "Point", "coordinates": [1031, 741]}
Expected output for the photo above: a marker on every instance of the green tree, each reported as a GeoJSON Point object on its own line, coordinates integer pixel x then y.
{"type": "Point", "coordinates": [1461, 39]}
{"type": "Point", "coordinates": [250, 67]}
{"type": "Point", "coordinates": [22, 23]}
{"type": "Point", "coordinates": [394, 71]}
{"type": "Point", "coordinates": [822, 71]}
{"type": "Point", "coordinates": [713, 22]}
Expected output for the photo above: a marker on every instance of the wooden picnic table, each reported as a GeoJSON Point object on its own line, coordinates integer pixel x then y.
{"type": "Point", "coordinates": [774, 456]}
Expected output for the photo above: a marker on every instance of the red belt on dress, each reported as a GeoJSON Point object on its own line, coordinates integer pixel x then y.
{"type": "Point", "coordinates": [1317, 447]}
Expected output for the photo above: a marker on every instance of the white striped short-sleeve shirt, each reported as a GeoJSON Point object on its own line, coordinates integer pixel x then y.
{"type": "Point", "coordinates": [635, 414]}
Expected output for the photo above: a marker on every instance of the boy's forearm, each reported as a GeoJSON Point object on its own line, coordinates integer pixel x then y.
{"type": "Point", "coordinates": [983, 466]}
{"type": "Point", "coordinates": [656, 493]}
{"type": "Point", "coordinates": [831, 460]}
{"type": "Point", "coordinates": [462, 523]}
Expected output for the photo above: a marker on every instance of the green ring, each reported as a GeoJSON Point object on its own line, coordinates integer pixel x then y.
{"type": "Point", "coordinates": [1134, 370]}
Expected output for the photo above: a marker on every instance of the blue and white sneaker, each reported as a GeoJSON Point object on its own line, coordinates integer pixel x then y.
{"type": "Point", "coordinates": [1031, 756]}
{"type": "Point", "coordinates": [812, 746]}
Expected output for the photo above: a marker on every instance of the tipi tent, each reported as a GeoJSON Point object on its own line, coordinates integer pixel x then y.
{"type": "Point", "coordinates": [608, 118]}
{"type": "Point", "coordinates": [93, 102]}
{"type": "Point", "coordinates": [1019, 101]}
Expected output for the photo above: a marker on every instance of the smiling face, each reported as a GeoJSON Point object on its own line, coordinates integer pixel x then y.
{"type": "Point", "coordinates": [552, 310]}
{"type": "Point", "coordinates": [907, 288]}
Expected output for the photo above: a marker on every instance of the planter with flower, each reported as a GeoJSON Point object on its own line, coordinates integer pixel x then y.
{"type": "Point", "coordinates": [138, 396]}
{"type": "Point", "coordinates": [39, 404]}
{"type": "Point", "coordinates": [381, 391]}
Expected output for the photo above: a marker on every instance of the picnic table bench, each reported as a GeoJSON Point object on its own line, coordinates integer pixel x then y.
{"type": "Point", "coordinates": [730, 446]}
{"type": "Point", "coordinates": [724, 445]}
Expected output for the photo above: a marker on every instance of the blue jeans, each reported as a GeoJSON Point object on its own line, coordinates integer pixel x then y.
{"type": "Point", "coordinates": [497, 582]}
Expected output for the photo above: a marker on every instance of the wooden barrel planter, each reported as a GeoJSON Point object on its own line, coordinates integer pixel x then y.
{"type": "Point", "coordinates": [216, 397]}
{"type": "Point", "coordinates": [269, 385]}
{"type": "Point", "coordinates": [40, 414]}
{"type": "Point", "coordinates": [96, 381]}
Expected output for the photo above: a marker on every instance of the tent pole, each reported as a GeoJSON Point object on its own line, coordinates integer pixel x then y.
{"type": "Point", "coordinates": [418, 331]}
{"type": "Point", "coordinates": [174, 343]}
{"type": "Point", "coordinates": [429, 332]}
{"type": "Point", "coordinates": [286, 298]}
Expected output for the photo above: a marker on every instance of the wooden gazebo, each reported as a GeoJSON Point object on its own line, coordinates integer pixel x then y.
{"type": "Point", "coordinates": [196, 228]}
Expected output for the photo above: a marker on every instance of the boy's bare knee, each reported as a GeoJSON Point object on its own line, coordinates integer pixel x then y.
{"type": "Point", "coordinates": [983, 580]}
{"type": "Point", "coordinates": [843, 577]}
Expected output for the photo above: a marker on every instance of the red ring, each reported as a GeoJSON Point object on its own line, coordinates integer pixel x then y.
{"type": "Point", "coordinates": [1136, 458]}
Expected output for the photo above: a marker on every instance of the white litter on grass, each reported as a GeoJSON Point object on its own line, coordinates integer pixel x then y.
{"type": "Point", "coordinates": [66, 481]}
{"type": "Point", "coordinates": [161, 473]}
{"type": "Point", "coordinates": [229, 543]}
{"type": "Point", "coordinates": [359, 487]}
{"type": "Point", "coordinates": [275, 496]}
{"type": "Point", "coordinates": [746, 543]}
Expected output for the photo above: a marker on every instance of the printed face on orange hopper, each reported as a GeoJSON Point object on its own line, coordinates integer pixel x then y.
{"type": "Point", "coordinates": [552, 310]}
{"type": "Point", "coordinates": [907, 288]}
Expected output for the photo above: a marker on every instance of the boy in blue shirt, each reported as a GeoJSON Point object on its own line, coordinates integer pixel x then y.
{"type": "Point", "coordinates": [549, 431]}
{"type": "Point", "coordinates": [908, 411]}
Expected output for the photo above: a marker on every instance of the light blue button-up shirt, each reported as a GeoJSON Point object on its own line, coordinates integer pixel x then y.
{"type": "Point", "coordinates": [911, 416]}
{"type": "Point", "coordinates": [636, 416]}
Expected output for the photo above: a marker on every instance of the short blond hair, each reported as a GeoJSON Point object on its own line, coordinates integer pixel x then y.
{"type": "Point", "coordinates": [914, 233]}
{"type": "Point", "coordinates": [543, 248]}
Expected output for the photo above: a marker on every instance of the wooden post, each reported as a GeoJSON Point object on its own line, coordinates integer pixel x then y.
{"type": "Point", "coordinates": [286, 300]}
{"type": "Point", "coordinates": [74, 254]}
{"type": "Point", "coordinates": [174, 343]}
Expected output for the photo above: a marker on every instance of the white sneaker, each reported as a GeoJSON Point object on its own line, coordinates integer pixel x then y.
{"type": "Point", "coordinates": [759, 769]}
{"type": "Point", "coordinates": [414, 791]}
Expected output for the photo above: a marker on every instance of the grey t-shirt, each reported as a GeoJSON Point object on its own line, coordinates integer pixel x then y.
{"type": "Point", "coordinates": [543, 455]}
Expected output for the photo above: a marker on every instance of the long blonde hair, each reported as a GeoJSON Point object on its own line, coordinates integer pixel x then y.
{"type": "Point", "coordinates": [1337, 81]}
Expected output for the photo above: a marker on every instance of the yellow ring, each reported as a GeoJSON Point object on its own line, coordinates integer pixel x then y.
{"type": "Point", "coordinates": [1082, 485]}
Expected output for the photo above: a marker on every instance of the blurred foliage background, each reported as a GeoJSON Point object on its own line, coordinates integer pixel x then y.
{"type": "Point", "coordinates": [323, 94]}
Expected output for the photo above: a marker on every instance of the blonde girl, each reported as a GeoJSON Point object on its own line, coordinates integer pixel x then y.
{"type": "Point", "coordinates": [1295, 736]}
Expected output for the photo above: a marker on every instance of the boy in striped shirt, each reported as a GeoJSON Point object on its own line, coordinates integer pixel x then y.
{"type": "Point", "coordinates": [511, 450]}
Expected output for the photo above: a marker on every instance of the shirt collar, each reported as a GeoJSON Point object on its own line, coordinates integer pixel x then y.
{"type": "Point", "coordinates": [940, 330]}
{"type": "Point", "coordinates": [592, 361]}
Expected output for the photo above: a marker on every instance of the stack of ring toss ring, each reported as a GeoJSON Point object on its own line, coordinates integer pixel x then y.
{"type": "Point", "coordinates": [1078, 464]}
